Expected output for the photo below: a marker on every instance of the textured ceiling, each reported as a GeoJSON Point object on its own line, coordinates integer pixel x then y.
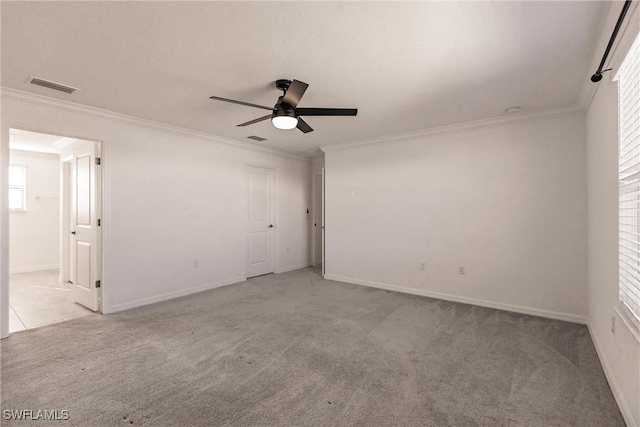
{"type": "Point", "coordinates": [406, 66]}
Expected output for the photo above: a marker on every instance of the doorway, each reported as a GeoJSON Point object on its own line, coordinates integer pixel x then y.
{"type": "Point", "coordinates": [260, 192]}
{"type": "Point", "coordinates": [48, 188]}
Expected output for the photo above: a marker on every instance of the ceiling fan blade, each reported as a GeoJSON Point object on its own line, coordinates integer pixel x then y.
{"type": "Point", "coordinates": [248, 104]}
{"type": "Point", "coordinates": [327, 111]}
{"type": "Point", "coordinates": [294, 93]}
{"type": "Point", "coordinates": [250, 122]}
{"type": "Point", "coordinates": [303, 126]}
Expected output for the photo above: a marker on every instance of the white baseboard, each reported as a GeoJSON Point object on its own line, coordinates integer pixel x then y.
{"type": "Point", "coordinates": [615, 388]}
{"type": "Point", "coordinates": [170, 295]}
{"type": "Point", "coordinates": [457, 298]}
{"type": "Point", "coordinates": [294, 267]}
{"type": "Point", "coordinates": [34, 269]}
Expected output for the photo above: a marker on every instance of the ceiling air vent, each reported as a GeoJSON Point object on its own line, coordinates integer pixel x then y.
{"type": "Point", "coordinates": [256, 138]}
{"type": "Point", "coordinates": [51, 85]}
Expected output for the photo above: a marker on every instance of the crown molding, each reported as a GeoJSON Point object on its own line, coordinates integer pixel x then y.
{"type": "Point", "coordinates": [315, 153]}
{"type": "Point", "coordinates": [15, 95]}
{"type": "Point", "coordinates": [574, 110]}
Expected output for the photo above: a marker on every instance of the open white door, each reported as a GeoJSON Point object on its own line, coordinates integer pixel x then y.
{"type": "Point", "coordinates": [260, 214]}
{"type": "Point", "coordinates": [84, 247]}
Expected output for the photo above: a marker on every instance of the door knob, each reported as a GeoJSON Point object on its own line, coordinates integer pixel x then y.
{"type": "Point", "coordinates": [270, 225]}
{"type": "Point", "coordinates": [73, 232]}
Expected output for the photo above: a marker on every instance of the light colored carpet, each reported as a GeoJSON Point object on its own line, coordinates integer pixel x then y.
{"type": "Point", "coordinates": [294, 349]}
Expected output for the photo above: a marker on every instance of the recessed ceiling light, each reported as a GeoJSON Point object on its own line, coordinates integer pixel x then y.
{"type": "Point", "coordinates": [513, 110]}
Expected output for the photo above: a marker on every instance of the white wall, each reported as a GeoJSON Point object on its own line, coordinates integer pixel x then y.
{"type": "Point", "coordinates": [171, 197]}
{"type": "Point", "coordinates": [507, 202]}
{"type": "Point", "coordinates": [619, 352]}
{"type": "Point", "coordinates": [34, 234]}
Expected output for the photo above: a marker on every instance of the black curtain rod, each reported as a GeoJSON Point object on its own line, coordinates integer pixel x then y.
{"type": "Point", "coordinates": [597, 76]}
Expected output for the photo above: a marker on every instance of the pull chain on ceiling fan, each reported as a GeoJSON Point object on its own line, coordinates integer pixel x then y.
{"type": "Point", "coordinates": [286, 114]}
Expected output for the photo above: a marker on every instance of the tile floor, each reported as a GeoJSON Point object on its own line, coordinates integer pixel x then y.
{"type": "Point", "coordinates": [37, 299]}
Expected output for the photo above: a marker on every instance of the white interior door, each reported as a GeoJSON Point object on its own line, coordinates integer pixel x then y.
{"type": "Point", "coordinates": [324, 269]}
{"type": "Point", "coordinates": [260, 215]}
{"type": "Point", "coordinates": [317, 219]}
{"type": "Point", "coordinates": [84, 238]}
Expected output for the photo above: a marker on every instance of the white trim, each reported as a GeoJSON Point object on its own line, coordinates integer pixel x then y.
{"type": "Point", "coordinates": [611, 378]}
{"type": "Point", "coordinates": [294, 267]}
{"type": "Point", "coordinates": [567, 317]}
{"type": "Point", "coordinates": [316, 153]}
{"type": "Point", "coordinates": [4, 229]}
{"type": "Point", "coordinates": [170, 295]}
{"type": "Point", "coordinates": [314, 209]}
{"type": "Point", "coordinates": [33, 269]}
{"type": "Point", "coordinates": [463, 126]}
{"type": "Point", "coordinates": [15, 95]}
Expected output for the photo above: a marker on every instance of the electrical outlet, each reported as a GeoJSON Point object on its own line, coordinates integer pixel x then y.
{"type": "Point", "coordinates": [196, 263]}
{"type": "Point", "coordinates": [613, 325]}
{"type": "Point", "coordinates": [423, 266]}
{"type": "Point", "coordinates": [460, 269]}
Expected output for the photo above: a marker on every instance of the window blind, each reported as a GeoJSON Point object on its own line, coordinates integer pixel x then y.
{"type": "Point", "coordinates": [17, 188]}
{"type": "Point", "coordinates": [629, 179]}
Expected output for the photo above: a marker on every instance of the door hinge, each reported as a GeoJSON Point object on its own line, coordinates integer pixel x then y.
{"type": "Point", "coordinates": [97, 283]}
{"type": "Point", "coordinates": [99, 222]}
{"type": "Point", "coordinates": [98, 161]}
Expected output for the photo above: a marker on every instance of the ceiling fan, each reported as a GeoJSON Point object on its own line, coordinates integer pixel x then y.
{"type": "Point", "coordinates": [286, 114]}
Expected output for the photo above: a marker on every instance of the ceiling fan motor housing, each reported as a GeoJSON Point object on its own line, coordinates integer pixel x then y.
{"type": "Point", "coordinates": [282, 109]}
{"type": "Point", "coordinates": [283, 84]}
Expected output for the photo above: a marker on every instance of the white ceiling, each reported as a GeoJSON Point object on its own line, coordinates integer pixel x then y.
{"type": "Point", "coordinates": [32, 141]}
{"type": "Point", "coordinates": [406, 66]}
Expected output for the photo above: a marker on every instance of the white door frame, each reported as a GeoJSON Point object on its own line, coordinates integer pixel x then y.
{"type": "Point", "coordinates": [314, 210]}
{"type": "Point", "coordinates": [65, 220]}
{"type": "Point", "coordinates": [324, 221]}
{"type": "Point", "coordinates": [4, 208]}
{"type": "Point", "coordinates": [274, 240]}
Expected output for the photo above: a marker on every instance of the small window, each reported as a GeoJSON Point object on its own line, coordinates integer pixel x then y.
{"type": "Point", "coordinates": [17, 188]}
{"type": "Point", "coordinates": [629, 180]}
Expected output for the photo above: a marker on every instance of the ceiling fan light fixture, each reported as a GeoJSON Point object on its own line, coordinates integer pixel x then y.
{"type": "Point", "coordinates": [286, 114]}
{"type": "Point", "coordinates": [285, 120]}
